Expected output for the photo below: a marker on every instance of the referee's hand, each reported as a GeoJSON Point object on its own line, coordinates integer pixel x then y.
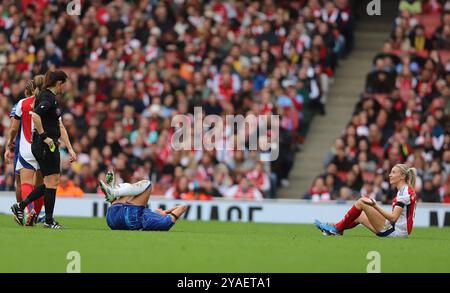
{"type": "Point", "coordinates": [73, 155]}
{"type": "Point", "coordinates": [49, 142]}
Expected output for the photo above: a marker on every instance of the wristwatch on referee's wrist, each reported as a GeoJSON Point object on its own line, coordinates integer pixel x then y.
{"type": "Point", "coordinates": [11, 146]}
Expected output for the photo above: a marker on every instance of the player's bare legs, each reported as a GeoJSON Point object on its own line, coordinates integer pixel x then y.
{"type": "Point", "coordinates": [18, 189]}
{"type": "Point", "coordinates": [38, 178]}
{"type": "Point", "coordinates": [51, 181]}
{"type": "Point", "coordinates": [27, 176]}
{"type": "Point", "coordinates": [29, 180]}
{"type": "Point", "coordinates": [367, 212]}
{"type": "Point", "coordinates": [138, 194]}
{"type": "Point", "coordinates": [113, 192]}
{"type": "Point", "coordinates": [26, 182]}
{"type": "Point", "coordinates": [360, 213]}
{"type": "Point", "coordinates": [375, 219]}
{"type": "Point", "coordinates": [141, 199]}
{"type": "Point", "coordinates": [363, 220]}
{"type": "Point", "coordinates": [132, 195]}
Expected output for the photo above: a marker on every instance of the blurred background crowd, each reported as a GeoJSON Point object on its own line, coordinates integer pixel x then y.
{"type": "Point", "coordinates": [402, 115]}
{"type": "Point", "coordinates": [133, 65]}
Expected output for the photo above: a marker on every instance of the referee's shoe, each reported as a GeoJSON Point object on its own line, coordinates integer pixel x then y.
{"type": "Point", "coordinates": [19, 216]}
{"type": "Point", "coordinates": [53, 225]}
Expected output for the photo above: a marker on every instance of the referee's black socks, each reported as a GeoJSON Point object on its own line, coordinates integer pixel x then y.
{"type": "Point", "coordinates": [49, 200]}
{"type": "Point", "coordinates": [36, 193]}
{"type": "Point", "coordinates": [49, 203]}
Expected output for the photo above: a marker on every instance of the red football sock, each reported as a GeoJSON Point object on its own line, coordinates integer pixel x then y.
{"type": "Point", "coordinates": [348, 221]}
{"type": "Point", "coordinates": [352, 225]}
{"type": "Point", "coordinates": [38, 203]}
{"type": "Point", "coordinates": [26, 189]}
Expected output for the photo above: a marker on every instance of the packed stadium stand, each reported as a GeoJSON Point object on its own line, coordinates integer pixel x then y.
{"type": "Point", "coordinates": [401, 115]}
{"type": "Point", "coordinates": [133, 65]}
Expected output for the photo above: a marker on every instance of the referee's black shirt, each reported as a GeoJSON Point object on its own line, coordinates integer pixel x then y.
{"type": "Point", "coordinates": [46, 106]}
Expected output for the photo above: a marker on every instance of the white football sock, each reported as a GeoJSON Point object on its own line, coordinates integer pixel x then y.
{"type": "Point", "coordinates": [127, 189]}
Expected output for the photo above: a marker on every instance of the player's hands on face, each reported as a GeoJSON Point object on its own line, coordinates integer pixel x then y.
{"type": "Point", "coordinates": [73, 156]}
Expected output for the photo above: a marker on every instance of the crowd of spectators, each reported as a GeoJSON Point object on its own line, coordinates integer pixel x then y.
{"type": "Point", "coordinates": [402, 116]}
{"type": "Point", "coordinates": [133, 65]}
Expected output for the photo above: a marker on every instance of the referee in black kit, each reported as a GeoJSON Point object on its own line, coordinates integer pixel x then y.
{"type": "Point", "coordinates": [48, 130]}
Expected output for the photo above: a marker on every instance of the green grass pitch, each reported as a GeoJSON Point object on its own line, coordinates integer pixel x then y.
{"type": "Point", "coordinates": [215, 247]}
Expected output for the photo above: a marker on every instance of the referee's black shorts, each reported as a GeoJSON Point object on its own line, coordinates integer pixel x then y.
{"type": "Point", "coordinates": [49, 162]}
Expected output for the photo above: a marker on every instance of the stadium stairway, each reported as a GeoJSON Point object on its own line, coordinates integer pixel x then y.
{"type": "Point", "coordinates": [370, 34]}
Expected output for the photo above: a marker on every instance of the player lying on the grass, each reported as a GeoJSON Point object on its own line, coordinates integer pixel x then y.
{"type": "Point", "coordinates": [128, 212]}
{"type": "Point", "coordinates": [366, 211]}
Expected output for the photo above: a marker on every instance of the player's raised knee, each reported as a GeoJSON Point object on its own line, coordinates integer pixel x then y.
{"type": "Point", "coordinates": [359, 203]}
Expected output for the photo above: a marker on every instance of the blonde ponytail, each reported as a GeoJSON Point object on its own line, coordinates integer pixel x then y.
{"type": "Point", "coordinates": [409, 173]}
{"type": "Point", "coordinates": [34, 86]}
{"type": "Point", "coordinates": [38, 84]}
